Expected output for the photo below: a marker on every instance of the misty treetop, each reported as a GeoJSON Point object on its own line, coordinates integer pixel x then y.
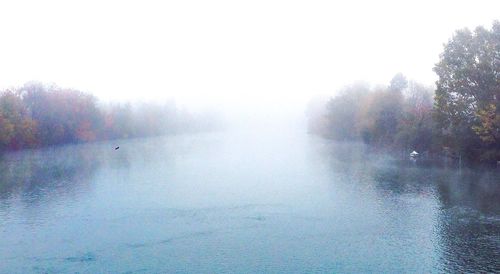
{"type": "Point", "coordinates": [394, 116]}
{"type": "Point", "coordinates": [37, 115]}
{"type": "Point", "coordinates": [468, 92]}
{"type": "Point", "coordinates": [459, 118]}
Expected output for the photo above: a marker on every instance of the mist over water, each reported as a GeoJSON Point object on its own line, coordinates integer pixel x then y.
{"type": "Point", "coordinates": [249, 136]}
{"type": "Point", "coordinates": [249, 200]}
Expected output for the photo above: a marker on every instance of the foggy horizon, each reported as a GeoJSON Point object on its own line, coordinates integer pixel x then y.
{"type": "Point", "coordinates": [225, 55]}
{"type": "Point", "coordinates": [249, 136]}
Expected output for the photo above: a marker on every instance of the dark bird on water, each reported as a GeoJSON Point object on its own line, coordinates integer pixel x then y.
{"type": "Point", "coordinates": [116, 148]}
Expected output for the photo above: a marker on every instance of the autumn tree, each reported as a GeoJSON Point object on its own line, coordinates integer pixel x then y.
{"type": "Point", "coordinates": [41, 115]}
{"type": "Point", "coordinates": [62, 115]}
{"type": "Point", "coordinates": [468, 93]}
{"type": "Point", "coordinates": [17, 129]}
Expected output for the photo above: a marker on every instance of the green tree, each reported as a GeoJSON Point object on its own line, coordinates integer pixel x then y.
{"type": "Point", "coordinates": [380, 115]}
{"type": "Point", "coordinates": [342, 112]}
{"type": "Point", "coordinates": [416, 127]}
{"type": "Point", "coordinates": [398, 83]}
{"type": "Point", "coordinates": [468, 92]}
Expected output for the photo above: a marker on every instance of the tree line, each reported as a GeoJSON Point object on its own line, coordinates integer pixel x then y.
{"type": "Point", "coordinates": [458, 118]}
{"type": "Point", "coordinates": [37, 115]}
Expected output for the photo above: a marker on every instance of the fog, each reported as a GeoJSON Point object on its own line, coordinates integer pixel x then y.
{"type": "Point", "coordinates": [239, 58]}
{"type": "Point", "coordinates": [249, 136]}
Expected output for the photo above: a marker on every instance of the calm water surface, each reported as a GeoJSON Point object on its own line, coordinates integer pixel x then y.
{"type": "Point", "coordinates": [239, 202]}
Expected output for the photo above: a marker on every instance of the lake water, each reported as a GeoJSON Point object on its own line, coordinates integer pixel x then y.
{"type": "Point", "coordinates": [242, 202]}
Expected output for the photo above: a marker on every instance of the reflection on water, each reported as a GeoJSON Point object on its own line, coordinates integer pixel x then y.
{"type": "Point", "coordinates": [36, 177]}
{"type": "Point", "coordinates": [468, 203]}
{"type": "Point", "coordinates": [279, 202]}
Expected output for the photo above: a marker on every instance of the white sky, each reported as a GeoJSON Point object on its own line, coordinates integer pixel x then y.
{"type": "Point", "coordinates": [226, 52]}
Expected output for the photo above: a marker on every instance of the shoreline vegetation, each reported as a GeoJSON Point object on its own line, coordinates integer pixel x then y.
{"type": "Point", "coordinates": [457, 121]}
{"type": "Point", "coordinates": [37, 115]}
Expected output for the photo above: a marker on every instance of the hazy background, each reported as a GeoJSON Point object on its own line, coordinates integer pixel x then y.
{"type": "Point", "coordinates": [95, 196]}
{"type": "Point", "coordinates": [238, 56]}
